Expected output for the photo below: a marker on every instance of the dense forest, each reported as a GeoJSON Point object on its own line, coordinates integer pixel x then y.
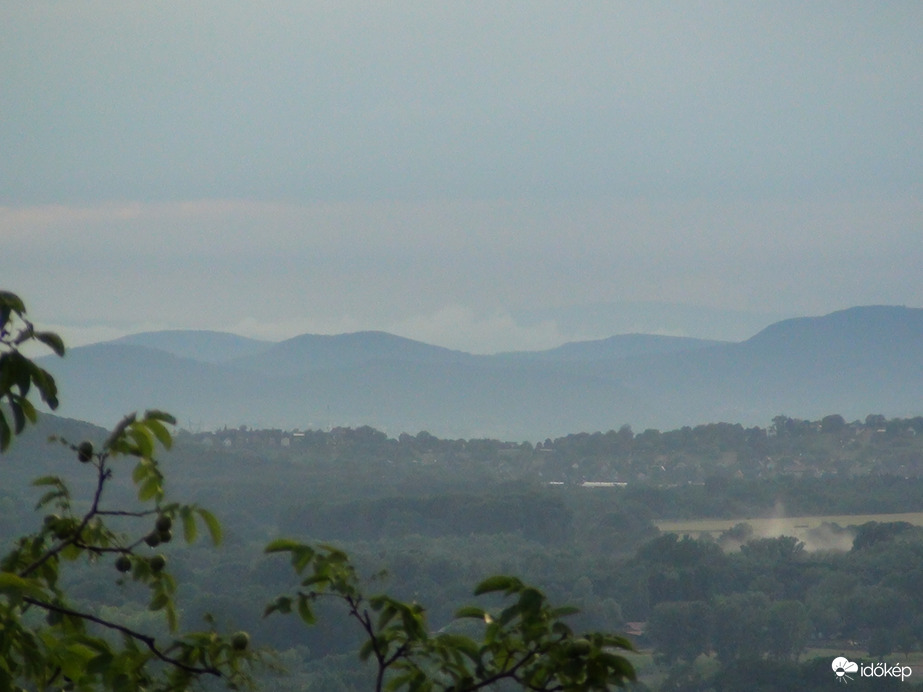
{"type": "Point", "coordinates": [576, 515]}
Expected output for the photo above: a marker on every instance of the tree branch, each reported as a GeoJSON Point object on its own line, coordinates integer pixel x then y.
{"type": "Point", "coordinates": [102, 476]}
{"type": "Point", "coordinates": [145, 639]}
{"type": "Point", "coordinates": [508, 672]}
{"type": "Point", "coordinates": [124, 513]}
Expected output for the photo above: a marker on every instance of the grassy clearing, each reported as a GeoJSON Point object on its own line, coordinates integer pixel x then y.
{"type": "Point", "coordinates": [781, 526]}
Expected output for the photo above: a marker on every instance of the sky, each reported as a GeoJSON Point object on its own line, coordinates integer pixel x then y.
{"type": "Point", "coordinates": [484, 176]}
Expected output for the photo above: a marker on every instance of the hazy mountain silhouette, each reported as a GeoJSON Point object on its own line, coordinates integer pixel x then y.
{"type": "Point", "coordinates": [315, 351]}
{"type": "Point", "coordinates": [852, 362]}
{"type": "Point", "coordinates": [207, 346]}
{"type": "Point", "coordinates": [619, 346]}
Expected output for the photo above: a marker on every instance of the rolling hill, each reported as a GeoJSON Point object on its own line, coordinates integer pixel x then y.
{"type": "Point", "coordinates": [852, 362]}
{"type": "Point", "coordinates": [207, 346]}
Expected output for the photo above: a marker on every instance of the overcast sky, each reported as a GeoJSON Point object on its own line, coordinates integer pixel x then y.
{"type": "Point", "coordinates": [460, 173]}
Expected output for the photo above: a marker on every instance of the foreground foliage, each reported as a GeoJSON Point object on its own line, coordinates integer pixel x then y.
{"type": "Point", "coordinates": [526, 642]}
{"type": "Point", "coordinates": [48, 641]}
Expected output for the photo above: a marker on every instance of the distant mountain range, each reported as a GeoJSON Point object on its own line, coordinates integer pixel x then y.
{"type": "Point", "coordinates": [853, 362]}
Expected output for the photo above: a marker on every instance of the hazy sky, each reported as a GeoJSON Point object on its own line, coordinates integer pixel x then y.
{"type": "Point", "coordinates": [440, 170]}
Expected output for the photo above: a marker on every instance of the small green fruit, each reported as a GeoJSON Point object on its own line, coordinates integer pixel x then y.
{"type": "Point", "coordinates": [157, 563]}
{"type": "Point", "coordinates": [164, 523]}
{"type": "Point", "coordinates": [85, 452]}
{"type": "Point", "coordinates": [152, 539]}
{"type": "Point", "coordinates": [581, 647]}
{"type": "Point", "coordinates": [240, 641]}
{"type": "Point", "coordinates": [123, 563]}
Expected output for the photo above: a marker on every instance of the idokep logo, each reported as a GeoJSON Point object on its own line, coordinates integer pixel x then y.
{"type": "Point", "coordinates": [842, 666]}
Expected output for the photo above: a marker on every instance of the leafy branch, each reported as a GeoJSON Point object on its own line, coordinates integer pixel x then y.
{"type": "Point", "coordinates": [63, 648]}
{"type": "Point", "coordinates": [149, 641]}
{"type": "Point", "coordinates": [18, 374]}
{"type": "Point", "coordinates": [527, 642]}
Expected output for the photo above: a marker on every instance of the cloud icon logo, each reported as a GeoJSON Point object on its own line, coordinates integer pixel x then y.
{"type": "Point", "coordinates": [841, 666]}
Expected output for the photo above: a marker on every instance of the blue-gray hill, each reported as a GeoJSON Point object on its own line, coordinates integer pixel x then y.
{"type": "Point", "coordinates": [203, 345]}
{"type": "Point", "coordinates": [851, 362]}
{"type": "Point", "coordinates": [618, 346]}
{"type": "Point", "coordinates": [308, 352]}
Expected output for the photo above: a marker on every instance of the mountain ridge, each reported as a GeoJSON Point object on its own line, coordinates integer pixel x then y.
{"type": "Point", "coordinates": [852, 361]}
{"type": "Point", "coordinates": [201, 344]}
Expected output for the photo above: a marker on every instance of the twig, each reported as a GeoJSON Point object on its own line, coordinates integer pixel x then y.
{"type": "Point", "coordinates": [147, 640]}
{"type": "Point", "coordinates": [102, 476]}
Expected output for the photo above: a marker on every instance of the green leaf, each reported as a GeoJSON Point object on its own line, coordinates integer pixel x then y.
{"type": "Point", "coordinates": [531, 600]}
{"type": "Point", "coordinates": [162, 416]}
{"type": "Point", "coordinates": [22, 371]}
{"type": "Point", "coordinates": [19, 418]}
{"type": "Point", "coordinates": [499, 582]}
{"type": "Point", "coordinates": [189, 528]}
{"type": "Point", "coordinates": [471, 612]}
{"type": "Point", "coordinates": [618, 665]}
{"type": "Point", "coordinates": [52, 341]}
{"type": "Point", "coordinates": [172, 618]}
{"type": "Point", "coordinates": [150, 489]}
{"type": "Point", "coordinates": [71, 552]}
{"type": "Point", "coordinates": [48, 497]}
{"type": "Point", "coordinates": [305, 611]}
{"type": "Point", "coordinates": [302, 556]}
{"type": "Point", "coordinates": [142, 471]}
{"type": "Point", "coordinates": [282, 604]}
{"type": "Point", "coordinates": [160, 432]}
{"type": "Point", "coordinates": [12, 302]}
{"type": "Point", "coordinates": [562, 629]}
{"type": "Point", "coordinates": [617, 641]}
{"type": "Point", "coordinates": [401, 682]}
{"type": "Point", "coordinates": [460, 643]}
{"type": "Point", "coordinates": [321, 576]}
{"type": "Point", "coordinates": [281, 545]}
{"type": "Point", "coordinates": [115, 437]}
{"type": "Point", "coordinates": [366, 650]}
{"type": "Point", "coordinates": [6, 435]}
{"type": "Point", "coordinates": [47, 386]}
{"type": "Point", "coordinates": [143, 438]}
{"type": "Point", "coordinates": [13, 582]}
{"type": "Point", "coordinates": [100, 664]}
{"type": "Point", "coordinates": [29, 410]}
{"type": "Point", "coordinates": [47, 480]}
{"type": "Point", "coordinates": [212, 524]}
{"type": "Point", "coordinates": [75, 659]}
{"type": "Point", "coordinates": [564, 611]}
{"type": "Point", "coordinates": [159, 601]}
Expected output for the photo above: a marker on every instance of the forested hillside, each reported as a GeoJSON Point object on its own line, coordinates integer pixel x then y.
{"type": "Point", "coordinates": [575, 514]}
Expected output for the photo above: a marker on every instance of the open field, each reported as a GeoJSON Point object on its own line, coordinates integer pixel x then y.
{"type": "Point", "coordinates": [802, 528]}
